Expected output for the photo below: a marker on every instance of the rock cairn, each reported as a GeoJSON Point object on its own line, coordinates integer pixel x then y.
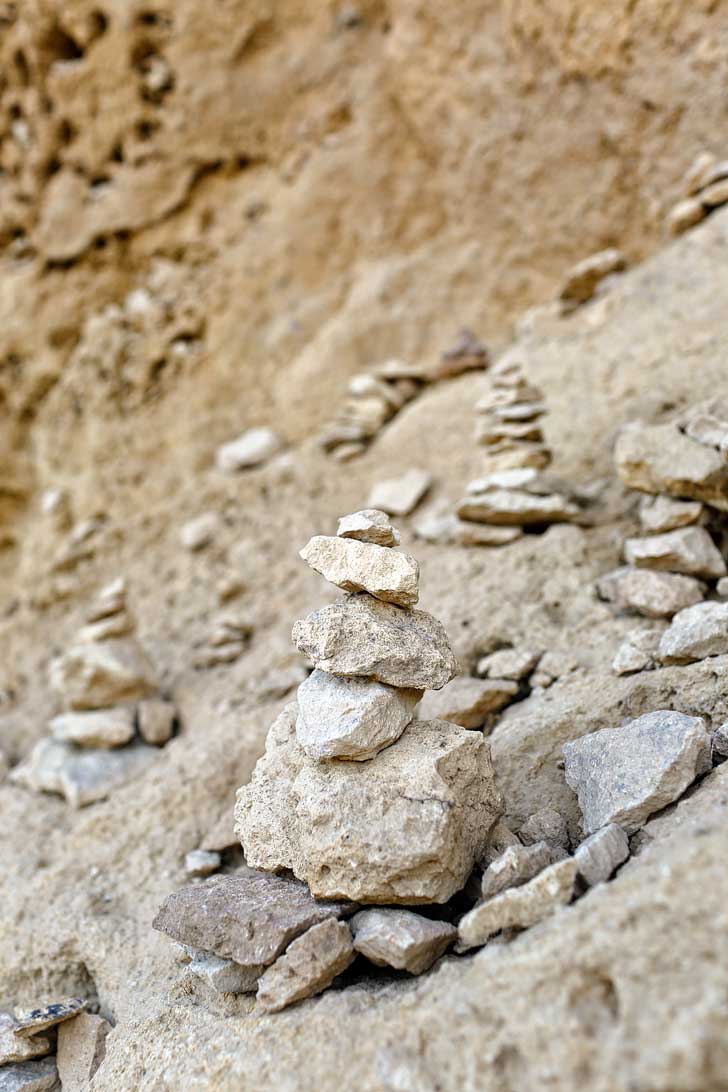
{"type": "Point", "coordinates": [704, 189]}
{"type": "Point", "coordinates": [673, 568]}
{"type": "Point", "coordinates": [113, 718]}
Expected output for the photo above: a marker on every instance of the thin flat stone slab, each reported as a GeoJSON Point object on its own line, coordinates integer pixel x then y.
{"type": "Point", "coordinates": [582, 279]}
{"type": "Point", "coordinates": [254, 447]}
{"type": "Point", "coordinates": [400, 496]}
{"type": "Point", "coordinates": [662, 459]}
{"type": "Point", "coordinates": [658, 514]}
{"type": "Point", "coordinates": [652, 594]}
{"type": "Point", "coordinates": [102, 728]}
{"type": "Point", "coordinates": [369, 525]}
{"type": "Point", "coordinates": [467, 701]}
{"type": "Point", "coordinates": [514, 506]}
{"type": "Point", "coordinates": [508, 663]}
{"type": "Point", "coordinates": [622, 775]}
{"type": "Point", "coordinates": [359, 635]}
{"type": "Point", "coordinates": [695, 633]}
{"type": "Point", "coordinates": [81, 1050]}
{"type": "Point", "coordinates": [247, 916]}
{"type": "Point", "coordinates": [515, 866]}
{"type": "Point", "coordinates": [34, 1021]}
{"type": "Point", "coordinates": [309, 965]}
{"type": "Point", "coordinates": [401, 939]}
{"type": "Point", "coordinates": [224, 975]}
{"type": "Point", "coordinates": [688, 550]}
{"type": "Point", "coordinates": [600, 854]}
{"type": "Point", "coordinates": [15, 1048]}
{"type": "Point", "coordinates": [405, 827]}
{"type": "Point", "coordinates": [519, 907]}
{"type": "Point", "coordinates": [351, 718]}
{"type": "Point", "coordinates": [38, 1076]}
{"type": "Point", "coordinates": [363, 566]}
{"type": "Point", "coordinates": [82, 774]}
{"type": "Point", "coordinates": [99, 675]}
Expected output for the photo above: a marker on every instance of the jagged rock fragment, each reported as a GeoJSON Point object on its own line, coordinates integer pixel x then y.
{"type": "Point", "coordinates": [33, 1021]}
{"type": "Point", "coordinates": [308, 966]}
{"type": "Point", "coordinates": [202, 862]}
{"type": "Point", "coordinates": [95, 676]}
{"type": "Point", "coordinates": [662, 459]}
{"type": "Point", "coordinates": [658, 514]}
{"type": "Point", "coordinates": [715, 195]}
{"type": "Point", "coordinates": [467, 701]}
{"type": "Point", "coordinates": [355, 566]}
{"type": "Point", "coordinates": [369, 525]}
{"type": "Point", "coordinates": [400, 938]}
{"type": "Point", "coordinates": [37, 1076]}
{"type": "Point", "coordinates": [545, 825]}
{"type": "Point", "coordinates": [687, 550]}
{"type": "Point", "coordinates": [515, 866]}
{"type": "Point", "coordinates": [720, 740]}
{"type": "Point", "coordinates": [581, 281]}
{"type": "Point", "coordinates": [708, 424]}
{"type": "Point", "coordinates": [637, 652]}
{"type": "Point", "coordinates": [351, 718]}
{"type": "Point", "coordinates": [652, 594]}
{"type": "Point", "coordinates": [508, 663]}
{"type": "Point", "coordinates": [694, 633]}
{"type": "Point", "coordinates": [81, 1050]}
{"type": "Point", "coordinates": [254, 447]}
{"type": "Point", "coordinates": [622, 775]}
{"type": "Point", "coordinates": [156, 720]}
{"type": "Point", "coordinates": [400, 496]}
{"type": "Point", "coordinates": [201, 531]}
{"type": "Point", "coordinates": [116, 625]}
{"type": "Point", "coordinates": [82, 775]}
{"type": "Point", "coordinates": [359, 635]}
{"type": "Point", "coordinates": [14, 1048]}
{"type": "Point", "coordinates": [601, 853]}
{"type": "Point", "coordinates": [224, 975]}
{"type": "Point", "coordinates": [102, 728]}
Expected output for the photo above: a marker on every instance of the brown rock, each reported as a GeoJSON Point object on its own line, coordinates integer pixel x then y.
{"type": "Point", "coordinates": [81, 1050]}
{"type": "Point", "coordinates": [688, 550]}
{"type": "Point", "coordinates": [581, 281]}
{"type": "Point", "coordinates": [156, 720]}
{"type": "Point", "coordinates": [401, 939]}
{"type": "Point", "coordinates": [309, 965]}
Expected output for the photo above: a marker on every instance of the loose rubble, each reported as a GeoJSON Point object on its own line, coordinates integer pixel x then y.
{"type": "Point", "coordinates": [599, 855]}
{"type": "Point", "coordinates": [664, 459]}
{"type": "Point", "coordinates": [695, 633]}
{"type": "Point", "coordinates": [36, 1076]}
{"type": "Point", "coordinates": [515, 866]}
{"type": "Point", "coordinates": [33, 1021]}
{"type": "Point", "coordinates": [468, 702]}
{"type": "Point", "coordinates": [15, 1048]}
{"type": "Point", "coordinates": [401, 939]}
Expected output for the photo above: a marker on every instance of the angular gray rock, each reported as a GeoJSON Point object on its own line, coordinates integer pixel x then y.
{"type": "Point", "coordinates": [401, 939]}
{"type": "Point", "coordinates": [103, 728]}
{"type": "Point", "coordinates": [519, 907]}
{"type": "Point", "coordinates": [467, 701]}
{"type": "Point", "coordinates": [695, 633]}
{"type": "Point", "coordinates": [601, 853]}
{"type": "Point", "coordinates": [405, 827]}
{"type": "Point", "coordinates": [309, 965]}
{"type": "Point", "coordinates": [351, 718]}
{"type": "Point", "coordinates": [156, 720]}
{"type": "Point", "coordinates": [14, 1048]}
{"type": "Point", "coordinates": [81, 1050]}
{"type": "Point", "coordinates": [515, 506]}
{"type": "Point", "coordinates": [622, 775]}
{"type": "Point", "coordinates": [515, 866]}
{"type": "Point", "coordinates": [400, 496]}
{"type": "Point", "coordinates": [254, 447]}
{"type": "Point", "coordinates": [224, 975]}
{"type": "Point", "coordinates": [358, 635]}
{"type": "Point", "coordinates": [247, 916]}
{"type": "Point", "coordinates": [33, 1021]}
{"type": "Point", "coordinates": [688, 550]}
{"type": "Point", "coordinates": [369, 525]}
{"type": "Point", "coordinates": [658, 514]}
{"type": "Point", "coordinates": [652, 594]}
{"type": "Point", "coordinates": [202, 862]}
{"type": "Point", "coordinates": [662, 459]}
{"type": "Point", "coordinates": [82, 775]}
{"type": "Point", "coordinates": [96, 676]}
{"type": "Point", "coordinates": [38, 1076]}
{"type": "Point", "coordinates": [356, 566]}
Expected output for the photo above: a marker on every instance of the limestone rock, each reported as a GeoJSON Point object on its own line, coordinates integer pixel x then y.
{"type": "Point", "coordinates": [33, 1021]}
{"type": "Point", "coordinates": [14, 1048]}
{"type": "Point", "coordinates": [359, 635]}
{"type": "Point", "coordinates": [105, 728]}
{"type": "Point", "coordinates": [369, 525]}
{"type": "Point", "coordinates": [622, 775]}
{"type": "Point", "coordinates": [699, 174]}
{"type": "Point", "coordinates": [309, 965]}
{"type": "Point", "coordinates": [662, 459]}
{"type": "Point", "coordinates": [247, 916]}
{"type": "Point", "coordinates": [581, 281]}
{"type": "Point", "coordinates": [224, 975]}
{"type": "Point", "coordinates": [401, 939]}
{"type": "Point", "coordinates": [37, 1076]}
{"type": "Point", "coordinates": [404, 828]}
{"type": "Point", "coordinates": [708, 424]}
{"type": "Point", "coordinates": [520, 907]}
{"type": "Point", "coordinates": [468, 702]}
{"type": "Point", "coordinates": [202, 862]}
{"type": "Point", "coordinates": [201, 531]}
{"type": "Point", "coordinates": [714, 195]}
{"type": "Point", "coordinates": [652, 594]}
{"type": "Point", "coordinates": [601, 854]}
{"type": "Point", "coordinates": [95, 676]}
{"type": "Point", "coordinates": [355, 566]}
{"type": "Point", "coordinates": [694, 633]}
{"type": "Point", "coordinates": [81, 1050]}
{"type": "Point", "coordinates": [110, 600]}
{"type": "Point", "coordinates": [514, 506]}
{"type": "Point", "coordinates": [688, 550]}
{"type": "Point", "coordinates": [684, 215]}
{"type": "Point", "coordinates": [545, 825]}
{"type": "Point", "coordinates": [254, 447]}
{"type": "Point", "coordinates": [156, 720]}
{"type": "Point", "coordinates": [508, 663]}
{"type": "Point", "coordinates": [720, 740]}
{"type": "Point", "coordinates": [351, 718]}
{"type": "Point", "coordinates": [400, 496]}
{"type": "Point", "coordinates": [658, 514]}
{"type": "Point", "coordinates": [82, 775]}
{"type": "Point", "coordinates": [637, 652]}
{"type": "Point", "coordinates": [444, 527]}
{"type": "Point", "coordinates": [515, 866]}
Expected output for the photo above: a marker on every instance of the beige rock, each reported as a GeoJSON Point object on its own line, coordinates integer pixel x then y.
{"type": "Point", "coordinates": [601, 854]}
{"type": "Point", "coordinates": [252, 448]}
{"type": "Point", "coordinates": [515, 866]}
{"type": "Point", "coordinates": [507, 456]}
{"type": "Point", "coordinates": [395, 370]}
{"type": "Point", "coordinates": [221, 835]}
{"type": "Point", "coordinates": [637, 652]}
{"type": "Point", "coordinates": [37, 1076]}
{"type": "Point", "coordinates": [520, 907]}
{"type": "Point", "coordinates": [500, 839]}
{"type": "Point", "coordinates": [467, 354]}
{"type": "Point", "coordinates": [202, 862]}
{"type": "Point", "coordinates": [33, 1021]}
{"type": "Point", "coordinates": [81, 775]}
{"type": "Point", "coordinates": [201, 531]}
{"type": "Point", "coordinates": [309, 965]}
{"type": "Point", "coordinates": [223, 975]}
{"type": "Point", "coordinates": [14, 1048]}
{"type": "Point", "coordinates": [508, 663]}
{"type": "Point", "coordinates": [95, 676]}
{"type": "Point", "coordinates": [684, 215]}
{"type": "Point", "coordinates": [512, 506]}
{"type": "Point", "coordinates": [116, 625]}
{"type": "Point", "coordinates": [105, 728]}
{"type": "Point", "coordinates": [486, 432]}
{"type": "Point", "coordinates": [81, 1050]}
{"type": "Point", "coordinates": [467, 701]}
{"type": "Point", "coordinates": [401, 939]}
{"type": "Point", "coordinates": [715, 195]}
{"type": "Point", "coordinates": [156, 720]}
{"type": "Point", "coordinates": [359, 635]}
{"type": "Point", "coordinates": [356, 566]}
{"type": "Point", "coordinates": [400, 496]}
{"type": "Point", "coordinates": [699, 174]}
{"type": "Point", "coordinates": [581, 281]}
{"type": "Point", "coordinates": [366, 385]}
{"type": "Point", "coordinates": [545, 825]}
{"type": "Point", "coordinates": [720, 740]}
{"type": "Point", "coordinates": [226, 652]}
{"type": "Point", "coordinates": [695, 633]}
{"type": "Point", "coordinates": [482, 534]}
{"type": "Point", "coordinates": [659, 514]}
{"type": "Point", "coordinates": [662, 459]}
{"type": "Point", "coordinates": [404, 828]}
{"type": "Point", "coordinates": [371, 414]}
{"type": "Point", "coordinates": [688, 550]}
{"type": "Point", "coordinates": [351, 718]}
{"type": "Point", "coordinates": [708, 424]}
{"type": "Point", "coordinates": [369, 525]}
{"type": "Point", "coordinates": [653, 594]}
{"type": "Point", "coordinates": [623, 775]}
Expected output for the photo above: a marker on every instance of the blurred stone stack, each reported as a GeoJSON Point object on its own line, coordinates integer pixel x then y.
{"type": "Point", "coordinates": [508, 419]}
{"type": "Point", "coordinates": [705, 188]}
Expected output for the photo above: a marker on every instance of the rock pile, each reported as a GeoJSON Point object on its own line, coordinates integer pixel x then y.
{"type": "Point", "coordinates": [110, 696]}
{"type": "Point", "coordinates": [705, 188]}
{"type": "Point", "coordinates": [56, 1042]}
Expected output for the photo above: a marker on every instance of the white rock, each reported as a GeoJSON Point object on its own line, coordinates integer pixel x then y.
{"type": "Point", "coordinates": [400, 938]}
{"type": "Point", "coordinates": [637, 652]}
{"type": "Point", "coordinates": [14, 1048]}
{"type": "Point", "coordinates": [688, 550]}
{"type": "Point", "coordinates": [658, 514]}
{"type": "Point", "coordinates": [709, 425]}
{"type": "Point", "coordinates": [601, 853]}
{"type": "Point", "coordinates": [82, 775]}
{"type": "Point", "coordinates": [105, 728]}
{"type": "Point", "coordinates": [518, 478]}
{"type": "Point", "coordinates": [369, 525]}
{"type": "Point", "coordinates": [467, 701]}
{"type": "Point", "coordinates": [695, 633]}
{"type": "Point", "coordinates": [156, 720]}
{"type": "Point", "coordinates": [514, 506]}
{"type": "Point", "coordinates": [351, 718]}
{"type": "Point", "coordinates": [81, 1050]}
{"type": "Point", "coordinates": [201, 531]}
{"type": "Point", "coordinates": [652, 594]}
{"type": "Point", "coordinates": [400, 496]}
{"type": "Point", "coordinates": [202, 862]}
{"type": "Point", "coordinates": [254, 447]}
{"type": "Point", "coordinates": [96, 676]}
{"type": "Point", "coordinates": [508, 663]}
{"type": "Point", "coordinates": [515, 866]}
{"type": "Point", "coordinates": [356, 566]}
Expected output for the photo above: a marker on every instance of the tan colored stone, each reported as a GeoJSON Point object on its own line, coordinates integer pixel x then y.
{"type": "Point", "coordinates": [369, 525]}
{"type": "Point", "coordinates": [309, 965]}
{"type": "Point", "coordinates": [601, 854]}
{"type": "Point", "coordinates": [95, 676]}
{"type": "Point", "coordinates": [81, 1050]}
{"type": "Point", "coordinates": [708, 424]}
{"type": "Point", "coordinates": [36, 1076]}
{"type": "Point", "coordinates": [652, 594]}
{"type": "Point", "coordinates": [156, 720]}
{"type": "Point", "coordinates": [356, 566]}
{"type": "Point", "coordinates": [662, 459]}
{"type": "Point", "coordinates": [467, 701]}
{"type": "Point", "coordinates": [14, 1048]}
{"type": "Point", "coordinates": [223, 975]}
{"type": "Point", "coordinates": [688, 550]}
{"type": "Point", "coordinates": [81, 775]}
{"type": "Point", "coordinates": [508, 663]}
{"type": "Point", "coordinates": [401, 939]}
{"type": "Point", "coordinates": [658, 514]}
{"type": "Point", "coordinates": [684, 215]}
{"type": "Point", "coordinates": [254, 447]}
{"type": "Point", "coordinates": [102, 728]}
{"type": "Point", "coordinates": [581, 282]}
{"type": "Point", "coordinates": [200, 531]}
{"type": "Point", "coordinates": [699, 173]}
{"type": "Point", "coordinates": [713, 196]}
{"type": "Point", "coordinates": [512, 506]}
{"type": "Point", "coordinates": [694, 633]}
{"type": "Point", "coordinates": [400, 496]}
{"type": "Point", "coordinates": [119, 624]}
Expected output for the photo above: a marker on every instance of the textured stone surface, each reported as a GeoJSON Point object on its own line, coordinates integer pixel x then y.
{"type": "Point", "coordinates": [33, 1021]}
{"type": "Point", "coordinates": [695, 633]}
{"type": "Point", "coordinates": [400, 496]}
{"type": "Point", "coordinates": [519, 907]}
{"type": "Point", "coordinates": [369, 525]}
{"type": "Point", "coordinates": [400, 938]}
{"type": "Point", "coordinates": [37, 1076]}
{"type": "Point", "coordinates": [224, 975]}
{"type": "Point", "coordinates": [254, 447]}
{"type": "Point", "coordinates": [601, 853]}
{"type": "Point", "coordinates": [363, 566]}
{"type": "Point", "coordinates": [467, 701]}
{"type": "Point", "coordinates": [94, 676]}
{"type": "Point", "coordinates": [156, 720]}
{"type": "Point", "coordinates": [359, 635]}
{"type": "Point", "coordinates": [637, 652]}
{"type": "Point", "coordinates": [82, 775]}
{"type": "Point", "coordinates": [81, 1049]}
{"type": "Point", "coordinates": [546, 824]}
{"type": "Point", "coordinates": [513, 506]}
{"type": "Point", "coordinates": [405, 827]}
{"type": "Point", "coordinates": [622, 775]}
{"type": "Point", "coordinates": [14, 1048]}
{"type": "Point", "coordinates": [351, 718]}
{"type": "Point", "coordinates": [308, 966]}
{"type": "Point", "coordinates": [515, 866]}
{"type": "Point", "coordinates": [662, 459]}
{"type": "Point", "coordinates": [658, 514]}
{"type": "Point", "coordinates": [688, 550]}
{"type": "Point", "coordinates": [105, 728]}
{"type": "Point", "coordinates": [247, 916]}
{"type": "Point", "coordinates": [652, 594]}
